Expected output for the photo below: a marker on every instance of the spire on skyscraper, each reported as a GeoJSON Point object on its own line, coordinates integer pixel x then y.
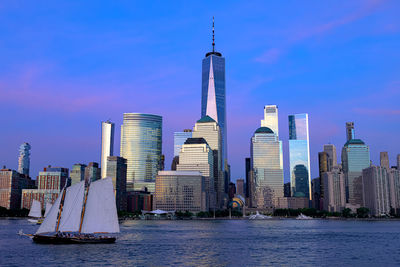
{"type": "Point", "coordinates": [213, 43]}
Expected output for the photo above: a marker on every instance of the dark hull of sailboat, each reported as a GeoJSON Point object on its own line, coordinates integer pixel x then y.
{"type": "Point", "coordinates": [42, 239]}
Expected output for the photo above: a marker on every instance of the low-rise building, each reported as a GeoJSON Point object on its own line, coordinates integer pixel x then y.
{"type": "Point", "coordinates": [180, 191]}
{"type": "Point", "coordinates": [293, 202]}
{"type": "Point", "coordinates": [49, 183]}
{"type": "Point", "coordinates": [11, 185]}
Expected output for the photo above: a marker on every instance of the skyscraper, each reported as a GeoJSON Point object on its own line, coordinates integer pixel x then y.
{"type": "Point", "coordinates": [349, 130]}
{"type": "Point", "coordinates": [398, 161]}
{"type": "Point", "coordinates": [141, 145]}
{"type": "Point", "coordinates": [92, 172]}
{"type": "Point", "coordinates": [384, 158]}
{"type": "Point", "coordinates": [213, 96]}
{"type": "Point", "coordinates": [267, 168]}
{"type": "Point", "coordinates": [107, 145]}
{"type": "Point", "coordinates": [375, 184]}
{"type": "Point", "coordinates": [196, 155]}
{"type": "Point", "coordinates": [208, 129]}
{"type": "Point", "coordinates": [332, 156]}
{"type": "Point", "coordinates": [179, 140]}
{"type": "Point", "coordinates": [299, 156]}
{"type": "Point", "coordinates": [271, 118]}
{"type": "Point", "coordinates": [355, 158]}
{"type": "Point", "coordinates": [77, 173]}
{"type": "Point", "coordinates": [116, 169]}
{"type": "Point", "coordinates": [24, 160]}
{"type": "Point", "coordinates": [334, 190]}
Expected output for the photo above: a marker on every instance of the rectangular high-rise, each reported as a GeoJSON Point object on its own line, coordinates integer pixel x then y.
{"type": "Point", "coordinates": [266, 169]}
{"type": "Point", "coordinates": [376, 192]}
{"type": "Point", "coordinates": [179, 140]}
{"type": "Point", "coordinates": [271, 118]}
{"type": "Point", "coordinates": [299, 156]}
{"type": "Point", "coordinates": [107, 145]}
{"type": "Point", "coordinates": [384, 158]}
{"type": "Point", "coordinates": [77, 173]}
{"type": "Point", "coordinates": [334, 190]}
{"type": "Point", "coordinates": [332, 155]}
{"type": "Point", "coordinates": [116, 169]}
{"type": "Point", "coordinates": [355, 158]}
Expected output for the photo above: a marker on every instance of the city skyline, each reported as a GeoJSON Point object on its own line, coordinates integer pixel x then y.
{"type": "Point", "coordinates": [253, 76]}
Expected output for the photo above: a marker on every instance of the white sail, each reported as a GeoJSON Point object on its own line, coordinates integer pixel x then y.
{"type": "Point", "coordinates": [36, 209]}
{"type": "Point", "coordinates": [49, 223]}
{"type": "Point", "coordinates": [100, 210]}
{"type": "Point", "coordinates": [48, 207]}
{"type": "Point", "coordinates": [72, 208]}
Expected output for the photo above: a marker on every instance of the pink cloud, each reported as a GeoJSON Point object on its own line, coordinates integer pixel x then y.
{"type": "Point", "coordinates": [377, 112]}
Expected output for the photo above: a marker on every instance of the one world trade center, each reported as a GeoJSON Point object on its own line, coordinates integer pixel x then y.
{"type": "Point", "coordinates": [213, 95]}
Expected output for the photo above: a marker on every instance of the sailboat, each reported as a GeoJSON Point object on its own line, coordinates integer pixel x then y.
{"type": "Point", "coordinates": [48, 207]}
{"type": "Point", "coordinates": [35, 211]}
{"type": "Point", "coordinates": [81, 217]}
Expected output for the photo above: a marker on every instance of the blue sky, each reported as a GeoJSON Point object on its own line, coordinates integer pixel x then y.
{"type": "Point", "coordinates": [67, 66]}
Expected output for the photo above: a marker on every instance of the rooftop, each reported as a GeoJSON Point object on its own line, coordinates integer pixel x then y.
{"type": "Point", "coordinates": [198, 140]}
{"type": "Point", "coordinates": [264, 130]}
{"type": "Point", "coordinates": [354, 142]}
{"type": "Point", "coordinates": [206, 119]}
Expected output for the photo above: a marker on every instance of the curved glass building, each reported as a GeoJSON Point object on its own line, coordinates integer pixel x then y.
{"type": "Point", "coordinates": [141, 146]}
{"type": "Point", "coordinates": [267, 167]}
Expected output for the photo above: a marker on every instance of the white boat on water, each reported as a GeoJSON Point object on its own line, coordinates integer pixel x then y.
{"type": "Point", "coordinates": [81, 216]}
{"type": "Point", "coordinates": [303, 217]}
{"type": "Point", "coordinates": [35, 212]}
{"type": "Point", "coordinates": [259, 216]}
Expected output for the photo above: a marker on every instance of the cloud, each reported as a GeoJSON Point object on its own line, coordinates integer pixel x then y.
{"type": "Point", "coordinates": [270, 56]}
{"type": "Point", "coordinates": [377, 112]}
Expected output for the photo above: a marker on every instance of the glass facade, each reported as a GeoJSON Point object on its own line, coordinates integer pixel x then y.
{"type": "Point", "coordinates": [179, 140]}
{"type": "Point", "coordinates": [355, 158]}
{"type": "Point", "coordinates": [141, 146]}
{"type": "Point", "coordinates": [299, 155]}
{"type": "Point", "coordinates": [267, 165]}
{"type": "Point", "coordinates": [180, 191]}
{"type": "Point", "coordinates": [213, 97]}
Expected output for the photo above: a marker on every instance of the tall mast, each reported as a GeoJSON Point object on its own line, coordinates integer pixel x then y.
{"type": "Point", "coordinates": [61, 208]}
{"type": "Point", "coordinates": [213, 43]}
{"type": "Point", "coordinates": [83, 209]}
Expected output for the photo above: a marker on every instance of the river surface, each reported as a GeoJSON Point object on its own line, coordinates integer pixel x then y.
{"type": "Point", "coordinates": [216, 243]}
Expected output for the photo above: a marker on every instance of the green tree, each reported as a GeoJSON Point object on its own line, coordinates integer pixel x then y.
{"type": "Point", "coordinates": [346, 213]}
{"type": "Point", "coordinates": [362, 212]}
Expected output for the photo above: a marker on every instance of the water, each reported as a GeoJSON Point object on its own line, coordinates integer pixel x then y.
{"type": "Point", "coordinates": [217, 243]}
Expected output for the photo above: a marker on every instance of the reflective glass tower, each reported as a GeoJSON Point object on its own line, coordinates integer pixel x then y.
{"type": "Point", "coordinates": [299, 155]}
{"type": "Point", "coordinates": [355, 158]}
{"type": "Point", "coordinates": [107, 145]}
{"type": "Point", "coordinates": [24, 159]}
{"type": "Point", "coordinates": [213, 95]}
{"type": "Point", "coordinates": [141, 144]}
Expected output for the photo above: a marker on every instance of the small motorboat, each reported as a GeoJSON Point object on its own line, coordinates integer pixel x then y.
{"type": "Point", "coordinates": [259, 216]}
{"type": "Point", "coordinates": [303, 217]}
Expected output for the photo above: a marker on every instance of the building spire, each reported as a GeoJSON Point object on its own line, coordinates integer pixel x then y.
{"type": "Point", "coordinates": [213, 43]}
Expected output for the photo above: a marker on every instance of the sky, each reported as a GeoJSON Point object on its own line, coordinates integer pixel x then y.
{"type": "Point", "coordinates": [65, 66]}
